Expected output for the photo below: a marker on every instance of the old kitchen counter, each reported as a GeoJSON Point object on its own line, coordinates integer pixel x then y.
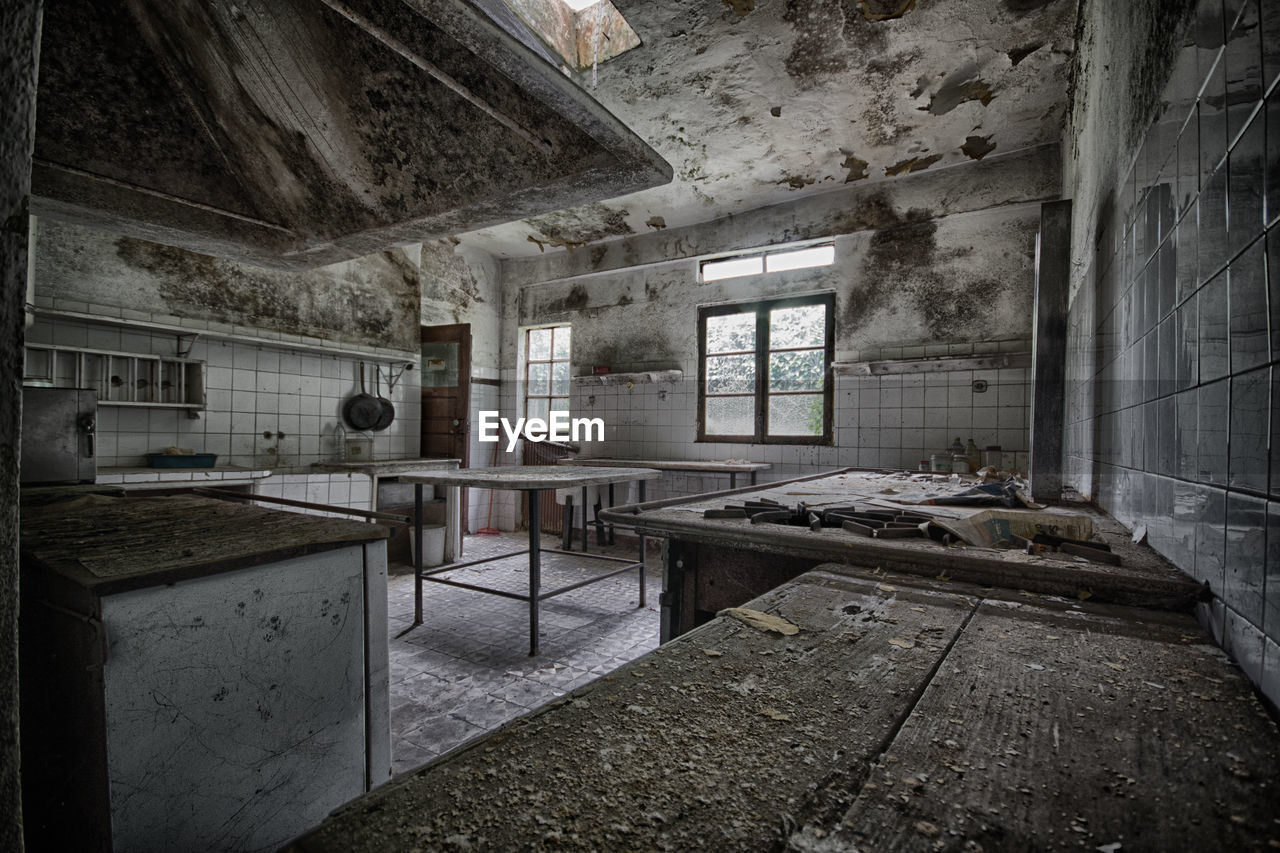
{"type": "Point", "coordinates": [714, 563]}
{"type": "Point", "coordinates": [196, 674]}
{"type": "Point", "coordinates": [901, 713]}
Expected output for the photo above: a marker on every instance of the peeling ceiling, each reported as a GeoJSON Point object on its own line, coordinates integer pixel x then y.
{"type": "Point", "coordinates": [757, 102]}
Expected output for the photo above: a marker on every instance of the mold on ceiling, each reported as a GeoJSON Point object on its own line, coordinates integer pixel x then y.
{"type": "Point", "coordinates": [758, 103]}
{"type": "Point", "coordinates": [297, 133]}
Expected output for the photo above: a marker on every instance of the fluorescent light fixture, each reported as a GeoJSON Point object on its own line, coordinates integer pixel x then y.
{"type": "Point", "coordinates": [579, 5]}
{"type": "Point", "coordinates": [816, 256]}
{"type": "Point", "coordinates": [732, 268]}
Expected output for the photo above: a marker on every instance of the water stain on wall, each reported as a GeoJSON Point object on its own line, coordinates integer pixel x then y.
{"type": "Point", "coordinates": [906, 270]}
{"type": "Point", "coordinates": [374, 300]}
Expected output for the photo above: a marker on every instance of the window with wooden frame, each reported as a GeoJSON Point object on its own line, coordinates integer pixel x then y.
{"type": "Point", "coordinates": [763, 371]}
{"type": "Point", "coordinates": [546, 371]}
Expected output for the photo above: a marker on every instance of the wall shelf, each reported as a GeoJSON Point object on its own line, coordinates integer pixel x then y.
{"type": "Point", "coordinates": [643, 377]}
{"type": "Point", "coordinates": [995, 361]}
{"type": "Point", "coordinates": [118, 378]}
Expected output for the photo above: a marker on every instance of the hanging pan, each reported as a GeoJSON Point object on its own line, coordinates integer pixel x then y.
{"type": "Point", "coordinates": [388, 410]}
{"type": "Point", "coordinates": [362, 411]}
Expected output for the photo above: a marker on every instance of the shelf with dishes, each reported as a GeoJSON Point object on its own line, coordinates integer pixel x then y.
{"type": "Point", "coordinates": [117, 378]}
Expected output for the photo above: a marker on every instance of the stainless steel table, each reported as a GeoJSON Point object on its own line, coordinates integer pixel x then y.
{"type": "Point", "coordinates": [532, 479]}
{"type": "Point", "coordinates": [733, 469]}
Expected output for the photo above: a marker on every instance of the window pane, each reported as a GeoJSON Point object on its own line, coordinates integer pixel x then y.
{"type": "Point", "coordinates": [731, 374]}
{"type": "Point", "coordinates": [731, 333]}
{"type": "Point", "coordinates": [731, 416]}
{"type": "Point", "coordinates": [732, 268]}
{"type": "Point", "coordinates": [796, 371]}
{"type": "Point", "coordinates": [560, 378]}
{"type": "Point", "coordinates": [538, 407]}
{"type": "Point", "coordinates": [561, 349]}
{"type": "Point", "coordinates": [539, 344]}
{"type": "Point", "coordinates": [539, 379]}
{"type": "Point", "coordinates": [818, 256]}
{"type": "Point", "coordinates": [802, 326]}
{"type": "Point", "coordinates": [800, 414]}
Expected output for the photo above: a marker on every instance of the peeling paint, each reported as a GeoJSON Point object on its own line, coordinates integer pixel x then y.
{"type": "Point", "coordinates": [954, 93]}
{"type": "Point", "coordinates": [657, 223]}
{"type": "Point", "coordinates": [571, 229]}
{"type": "Point", "coordinates": [1020, 53]}
{"type": "Point", "coordinates": [776, 112]}
{"type": "Point", "coordinates": [796, 182]}
{"type": "Point", "coordinates": [885, 10]}
{"type": "Point", "coordinates": [912, 164]}
{"type": "Point", "coordinates": [858, 168]}
{"type": "Point", "coordinates": [741, 7]}
{"type": "Point", "coordinates": [977, 147]}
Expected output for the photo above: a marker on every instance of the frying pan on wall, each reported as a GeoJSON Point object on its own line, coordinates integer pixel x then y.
{"type": "Point", "coordinates": [363, 410]}
{"type": "Point", "coordinates": [388, 409]}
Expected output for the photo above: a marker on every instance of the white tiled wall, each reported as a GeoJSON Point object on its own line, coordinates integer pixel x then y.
{"type": "Point", "coordinates": [889, 421]}
{"type": "Point", "coordinates": [251, 389]}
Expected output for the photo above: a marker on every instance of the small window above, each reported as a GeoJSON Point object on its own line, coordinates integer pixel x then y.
{"type": "Point", "coordinates": [581, 32]}
{"type": "Point", "coordinates": [786, 259]}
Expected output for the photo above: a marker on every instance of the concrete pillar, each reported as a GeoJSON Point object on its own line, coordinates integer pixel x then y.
{"type": "Point", "coordinates": [1049, 350]}
{"type": "Point", "coordinates": [19, 57]}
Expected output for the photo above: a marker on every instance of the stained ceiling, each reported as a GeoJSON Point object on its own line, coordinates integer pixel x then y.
{"type": "Point", "coordinates": [295, 133]}
{"type": "Point", "coordinates": [757, 102]}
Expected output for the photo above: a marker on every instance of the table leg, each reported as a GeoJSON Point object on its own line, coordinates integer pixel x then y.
{"type": "Point", "coordinates": [417, 553]}
{"type": "Point", "coordinates": [566, 524]}
{"type": "Point", "coordinates": [535, 567]}
{"type": "Point", "coordinates": [642, 556]}
{"type": "Point", "coordinates": [584, 519]}
{"type": "Point", "coordinates": [611, 507]}
{"type": "Point", "coordinates": [753, 478]}
{"type": "Point", "coordinates": [733, 479]}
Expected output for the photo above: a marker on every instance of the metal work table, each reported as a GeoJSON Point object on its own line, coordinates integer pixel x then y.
{"type": "Point", "coordinates": [396, 469]}
{"type": "Point", "coordinates": [532, 479]}
{"type": "Point", "coordinates": [733, 469]}
{"type": "Point", "coordinates": [714, 563]}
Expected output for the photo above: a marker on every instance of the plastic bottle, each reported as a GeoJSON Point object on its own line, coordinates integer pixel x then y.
{"type": "Point", "coordinates": [340, 442]}
{"type": "Point", "coordinates": [956, 448]}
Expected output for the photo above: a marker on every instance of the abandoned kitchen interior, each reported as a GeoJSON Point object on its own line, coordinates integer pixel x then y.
{"type": "Point", "coordinates": [797, 425]}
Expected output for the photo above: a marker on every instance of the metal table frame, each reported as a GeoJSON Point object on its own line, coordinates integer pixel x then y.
{"type": "Point", "coordinates": [536, 594]}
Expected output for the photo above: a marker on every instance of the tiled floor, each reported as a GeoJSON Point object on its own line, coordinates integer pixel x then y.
{"type": "Point", "coordinates": [467, 670]}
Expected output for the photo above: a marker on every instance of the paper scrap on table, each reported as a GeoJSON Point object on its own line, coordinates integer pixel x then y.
{"type": "Point", "coordinates": [761, 621]}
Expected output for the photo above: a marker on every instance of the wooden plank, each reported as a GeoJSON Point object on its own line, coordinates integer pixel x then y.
{"type": "Point", "coordinates": [1053, 726]}
{"type": "Point", "coordinates": [709, 743]}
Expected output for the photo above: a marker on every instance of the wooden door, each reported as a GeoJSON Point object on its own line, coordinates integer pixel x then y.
{"type": "Point", "coordinates": [446, 392]}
